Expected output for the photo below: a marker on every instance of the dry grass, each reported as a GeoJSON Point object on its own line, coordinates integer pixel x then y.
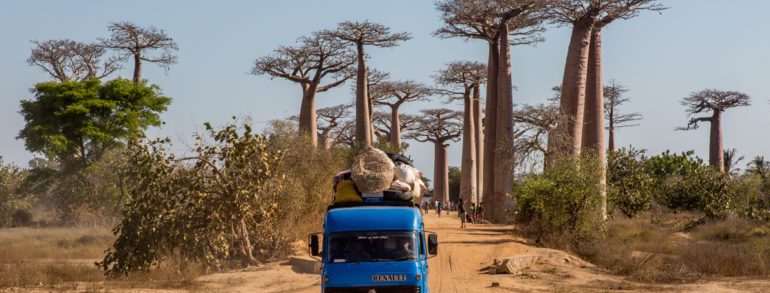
{"type": "Point", "coordinates": [63, 259]}
{"type": "Point", "coordinates": [654, 249]}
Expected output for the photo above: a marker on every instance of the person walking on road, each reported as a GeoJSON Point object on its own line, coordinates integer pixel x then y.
{"type": "Point", "coordinates": [461, 213]}
{"type": "Point", "coordinates": [438, 209]}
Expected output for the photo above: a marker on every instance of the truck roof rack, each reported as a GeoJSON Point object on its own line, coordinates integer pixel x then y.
{"type": "Point", "coordinates": [374, 204]}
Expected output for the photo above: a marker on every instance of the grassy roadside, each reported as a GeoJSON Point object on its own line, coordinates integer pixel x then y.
{"type": "Point", "coordinates": [63, 259]}
{"type": "Point", "coordinates": [662, 248]}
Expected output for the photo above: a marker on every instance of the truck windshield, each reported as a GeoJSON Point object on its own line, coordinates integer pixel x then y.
{"type": "Point", "coordinates": [372, 246]}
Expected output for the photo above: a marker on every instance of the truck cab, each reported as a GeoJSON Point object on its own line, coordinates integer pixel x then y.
{"type": "Point", "coordinates": [371, 247]}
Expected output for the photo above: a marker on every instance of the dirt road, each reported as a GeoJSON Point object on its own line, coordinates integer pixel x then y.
{"type": "Point", "coordinates": [463, 262]}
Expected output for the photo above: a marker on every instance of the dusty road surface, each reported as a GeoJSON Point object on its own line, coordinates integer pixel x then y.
{"type": "Point", "coordinates": [462, 265]}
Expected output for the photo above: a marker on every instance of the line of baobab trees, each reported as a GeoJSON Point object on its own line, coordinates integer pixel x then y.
{"type": "Point", "coordinates": [488, 154]}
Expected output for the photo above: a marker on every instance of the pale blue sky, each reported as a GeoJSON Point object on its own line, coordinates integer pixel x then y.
{"type": "Point", "coordinates": [660, 58]}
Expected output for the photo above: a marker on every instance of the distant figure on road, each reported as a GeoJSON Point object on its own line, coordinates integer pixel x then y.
{"type": "Point", "coordinates": [473, 213]}
{"type": "Point", "coordinates": [438, 208]}
{"type": "Point", "coordinates": [480, 212]}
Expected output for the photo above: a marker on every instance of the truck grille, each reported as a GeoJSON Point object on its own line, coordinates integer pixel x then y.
{"type": "Point", "coordinates": [381, 289]}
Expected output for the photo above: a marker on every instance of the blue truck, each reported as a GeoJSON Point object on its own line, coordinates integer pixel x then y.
{"type": "Point", "coordinates": [374, 248]}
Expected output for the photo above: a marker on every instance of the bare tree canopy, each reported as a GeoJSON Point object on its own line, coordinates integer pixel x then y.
{"type": "Point", "coordinates": [459, 78]}
{"type": "Point", "coordinates": [368, 33]}
{"type": "Point", "coordinates": [605, 11]}
{"type": "Point", "coordinates": [712, 100]}
{"type": "Point", "coordinates": [535, 127]}
{"type": "Point", "coordinates": [479, 19]}
{"type": "Point", "coordinates": [613, 98]}
{"type": "Point", "coordinates": [383, 124]}
{"type": "Point", "coordinates": [396, 93]}
{"type": "Point", "coordinates": [437, 125]}
{"type": "Point", "coordinates": [330, 119]}
{"type": "Point", "coordinates": [132, 40]}
{"type": "Point", "coordinates": [314, 58]}
{"type": "Point", "coordinates": [67, 60]}
{"type": "Point", "coordinates": [307, 63]}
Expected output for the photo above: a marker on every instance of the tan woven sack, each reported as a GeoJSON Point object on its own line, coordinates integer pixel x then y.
{"type": "Point", "coordinates": [372, 171]}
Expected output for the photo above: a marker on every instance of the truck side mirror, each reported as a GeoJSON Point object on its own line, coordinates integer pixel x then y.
{"type": "Point", "coordinates": [432, 244]}
{"type": "Point", "coordinates": [314, 245]}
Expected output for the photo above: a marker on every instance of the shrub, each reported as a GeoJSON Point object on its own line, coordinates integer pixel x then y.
{"type": "Point", "coordinates": [202, 207]}
{"type": "Point", "coordinates": [628, 184]}
{"type": "Point", "coordinates": [22, 218]}
{"type": "Point", "coordinates": [562, 201]}
{"type": "Point", "coordinates": [683, 182]}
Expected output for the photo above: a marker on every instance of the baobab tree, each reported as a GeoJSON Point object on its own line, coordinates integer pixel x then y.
{"type": "Point", "coordinates": [314, 58]}
{"type": "Point", "coordinates": [134, 41]}
{"type": "Point", "coordinates": [520, 23]}
{"type": "Point", "coordinates": [394, 94]}
{"type": "Point", "coordinates": [587, 18]}
{"type": "Point", "coordinates": [67, 60]}
{"type": "Point", "coordinates": [330, 119]}
{"type": "Point", "coordinates": [459, 81]}
{"type": "Point", "coordinates": [365, 34]}
{"type": "Point", "coordinates": [383, 124]}
{"type": "Point", "coordinates": [717, 102]}
{"type": "Point", "coordinates": [613, 98]}
{"type": "Point", "coordinates": [581, 98]}
{"type": "Point", "coordinates": [438, 126]}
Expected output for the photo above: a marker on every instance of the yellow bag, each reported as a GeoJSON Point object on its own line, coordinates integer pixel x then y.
{"type": "Point", "coordinates": [346, 192]}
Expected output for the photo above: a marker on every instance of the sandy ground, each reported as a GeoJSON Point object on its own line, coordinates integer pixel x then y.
{"type": "Point", "coordinates": [463, 262]}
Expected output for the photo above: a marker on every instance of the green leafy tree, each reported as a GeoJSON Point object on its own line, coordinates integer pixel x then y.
{"type": "Point", "coordinates": [76, 122]}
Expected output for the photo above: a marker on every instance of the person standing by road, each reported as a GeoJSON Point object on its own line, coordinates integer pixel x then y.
{"type": "Point", "coordinates": [438, 208]}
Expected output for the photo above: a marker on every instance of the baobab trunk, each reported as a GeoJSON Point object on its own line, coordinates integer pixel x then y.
{"type": "Point", "coordinates": [503, 171]}
{"type": "Point", "coordinates": [363, 119]}
{"type": "Point", "coordinates": [593, 124]}
{"type": "Point", "coordinates": [371, 114]}
{"type": "Point", "coordinates": [307, 116]}
{"type": "Point", "coordinates": [573, 87]}
{"type": "Point", "coordinates": [395, 128]}
{"type": "Point", "coordinates": [716, 155]}
{"type": "Point", "coordinates": [137, 69]}
{"type": "Point", "coordinates": [440, 173]}
{"type": "Point", "coordinates": [468, 164]}
{"type": "Point", "coordinates": [611, 142]}
{"type": "Point", "coordinates": [479, 141]}
{"type": "Point", "coordinates": [490, 125]}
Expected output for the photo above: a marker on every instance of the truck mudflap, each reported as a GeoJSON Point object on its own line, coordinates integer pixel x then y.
{"type": "Point", "coordinates": [378, 289]}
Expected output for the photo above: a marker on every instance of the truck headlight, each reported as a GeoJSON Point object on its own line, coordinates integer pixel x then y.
{"type": "Point", "coordinates": [419, 277]}
{"type": "Point", "coordinates": [326, 279]}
